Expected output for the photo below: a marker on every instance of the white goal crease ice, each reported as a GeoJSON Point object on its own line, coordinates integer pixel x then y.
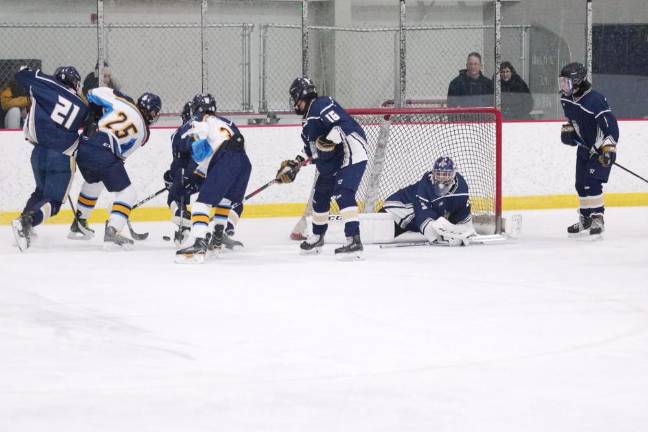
{"type": "Point", "coordinates": [403, 144]}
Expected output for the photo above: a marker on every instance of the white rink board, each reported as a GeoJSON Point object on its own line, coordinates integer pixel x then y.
{"type": "Point", "coordinates": [534, 163]}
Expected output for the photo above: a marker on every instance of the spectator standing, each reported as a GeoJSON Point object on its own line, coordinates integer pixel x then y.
{"type": "Point", "coordinates": [471, 87]}
{"type": "Point", "coordinates": [517, 101]}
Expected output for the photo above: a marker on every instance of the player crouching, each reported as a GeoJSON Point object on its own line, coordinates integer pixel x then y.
{"type": "Point", "coordinates": [438, 206]}
{"type": "Point", "coordinates": [220, 155]}
{"type": "Point", "coordinates": [181, 180]}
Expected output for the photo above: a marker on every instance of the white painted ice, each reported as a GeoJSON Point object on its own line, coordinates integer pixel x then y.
{"type": "Point", "coordinates": [545, 334]}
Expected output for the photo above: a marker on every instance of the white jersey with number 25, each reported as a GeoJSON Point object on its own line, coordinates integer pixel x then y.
{"type": "Point", "coordinates": [121, 119]}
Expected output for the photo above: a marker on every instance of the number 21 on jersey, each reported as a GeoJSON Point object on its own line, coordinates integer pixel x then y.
{"type": "Point", "coordinates": [64, 112]}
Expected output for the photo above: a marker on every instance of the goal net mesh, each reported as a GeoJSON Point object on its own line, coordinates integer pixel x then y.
{"type": "Point", "coordinates": [403, 143]}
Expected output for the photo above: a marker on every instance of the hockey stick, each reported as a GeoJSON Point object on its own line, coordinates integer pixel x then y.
{"type": "Point", "coordinates": [74, 213]}
{"type": "Point", "coordinates": [77, 220]}
{"type": "Point", "coordinates": [477, 239]}
{"type": "Point", "coordinates": [265, 186]}
{"type": "Point", "coordinates": [142, 236]}
{"type": "Point", "coordinates": [593, 152]}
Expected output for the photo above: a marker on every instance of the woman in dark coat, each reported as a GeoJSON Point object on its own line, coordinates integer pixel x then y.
{"type": "Point", "coordinates": [517, 101]}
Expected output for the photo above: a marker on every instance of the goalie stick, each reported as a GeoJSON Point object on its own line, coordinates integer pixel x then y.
{"type": "Point", "coordinates": [301, 226]}
{"type": "Point", "coordinates": [477, 239]}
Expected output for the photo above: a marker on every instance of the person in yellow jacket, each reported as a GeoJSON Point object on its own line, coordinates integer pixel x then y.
{"type": "Point", "coordinates": [15, 104]}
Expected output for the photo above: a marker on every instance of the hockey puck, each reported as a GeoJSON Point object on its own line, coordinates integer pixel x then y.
{"type": "Point", "coordinates": [166, 238]}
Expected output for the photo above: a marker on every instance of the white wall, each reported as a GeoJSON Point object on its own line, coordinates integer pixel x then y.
{"type": "Point", "coordinates": [534, 163]}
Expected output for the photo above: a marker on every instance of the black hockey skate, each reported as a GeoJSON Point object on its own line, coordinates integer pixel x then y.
{"type": "Point", "coordinates": [194, 254]}
{"type": "Point", "coordinates": [113, 238]}
{"type": "Point", "coordinates": [598, 226]}
{"type": "Point", "coordinates": [312, 245]}
{"type": "Point", "coordinates": [22, 227]}
{"type": "Point", "coordinates": [580, 228]}
{"type": "Point", "coordinates": [79, 230]}
{"type": "Point", "coordinates": [352, 251]}
{"type": "Point", "coordinates": [215, 240]}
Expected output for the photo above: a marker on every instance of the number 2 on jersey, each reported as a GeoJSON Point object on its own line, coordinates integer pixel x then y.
{"type": "Point", "coordinates": [64, 109]}
{"type": "Point", "coordinates": [121, 130]}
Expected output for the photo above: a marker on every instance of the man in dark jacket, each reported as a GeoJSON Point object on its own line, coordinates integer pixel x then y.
{"type": "Point", "coordinates": [517, 102]}
{"type": "Point", "coordinates": [471, 88]}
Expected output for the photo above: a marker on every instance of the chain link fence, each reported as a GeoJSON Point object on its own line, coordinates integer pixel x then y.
{"type": "Point", "coordinates": [282, 42]}
{"type": "Point", "coordinates": [249, 66]}
{"type": "Point", "coordinates": [75, 44]}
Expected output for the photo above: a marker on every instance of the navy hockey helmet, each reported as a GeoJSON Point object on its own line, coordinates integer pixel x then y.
{"type": "Point", "coordinates": [69, 76]}
{"type": "Point", "coordinates": [443, 175]}
{"type": "Point", "coordinates": [572, 76]}
{"type": "Point", "coordinates": [302, 89]}
{"type": "Point", "coordinates": [150, 106]}
{"type": "Point", "coordinates": [203, 104]}
{"type": "Point", "coordinates": [186, 112]}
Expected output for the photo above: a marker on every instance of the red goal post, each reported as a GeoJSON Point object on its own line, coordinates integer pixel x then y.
{"type": "Point", "coordinates": [403, 144]}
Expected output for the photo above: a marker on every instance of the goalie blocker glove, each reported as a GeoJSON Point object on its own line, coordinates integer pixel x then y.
{"type": "Point", "coordinates": [289, 169]}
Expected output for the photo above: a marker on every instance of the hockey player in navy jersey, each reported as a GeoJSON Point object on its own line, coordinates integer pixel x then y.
{"type": "Point", "coordinates": [593, 128]}
{"type": "Point", "coordinates": [122, 128]}
{"type": "Point", "coordinates": [181, 180]}
{"type": "Point", "coordinates": [56, 114]}
{"type": "Point", "coordinates": [437, 206]}
{"type": "Point", "coordinates": [336, 143]}
{"type": "Point", "coordinates": [218, 150]}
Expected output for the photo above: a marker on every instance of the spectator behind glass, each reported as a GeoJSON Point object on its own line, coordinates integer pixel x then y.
{"type": "Point", "coordinates": [15, 104]}
{"type": "Point", "coordinates": [517, 101]}
{"type": "Point", "coordinates": [471, 87]}
{"type": "Point", "coordinates": [91, 81]}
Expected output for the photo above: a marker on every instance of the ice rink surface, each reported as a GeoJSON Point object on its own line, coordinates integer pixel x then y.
{"type": "Point", "coordinates": [542, 334]}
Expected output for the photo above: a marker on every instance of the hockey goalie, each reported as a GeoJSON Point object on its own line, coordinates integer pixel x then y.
{"type": "Point", "coordinates": [437, 206]}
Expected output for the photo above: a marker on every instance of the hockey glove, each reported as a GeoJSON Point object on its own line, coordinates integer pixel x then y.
{"type": "Point", "coordinates": [607, 154]}
{"type": "Point", "coordinates": [168, 179]}
{"type": "Point", "coordinates": [567, 134]}
{"type": "Point", "coordinates": [454, 234]}
{"type": "Point", "coordinates": [324, 145]}
{"type": "Point", "coordinates": [289, 169]}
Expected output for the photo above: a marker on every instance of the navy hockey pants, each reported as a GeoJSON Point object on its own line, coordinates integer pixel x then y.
{"type": "Point", "coordinates": [98, 163]}
{"type": "Point", "coordinates": [52, 173]}
{"type": "Point", "coordinates": [227, 177]}
{"type": "Point", "coordinates": [590, 176]}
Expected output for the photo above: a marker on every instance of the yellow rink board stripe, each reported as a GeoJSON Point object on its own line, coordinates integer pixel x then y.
{"type": "Point", "coordinates": [531, 202]}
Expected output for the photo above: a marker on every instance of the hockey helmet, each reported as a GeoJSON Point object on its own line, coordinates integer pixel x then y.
{"type": "Point", "coordinates": [572, 76]}
{"type": "Point", "coordinates": [185, 115]}
{"type": "Point", "coordinates": [443, 175]}
{"type": "Point", "coordinates": [150, 106]}
{"type": "Point", "coordinates": [203, 104]}
{"type": "Point", "coordinates": [69, 76]}
{"type": "Point", "coordinates": [301, 89]}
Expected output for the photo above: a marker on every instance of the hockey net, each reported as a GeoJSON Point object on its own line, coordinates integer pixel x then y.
{"type": "Point", "coordinates": [403, 144]}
